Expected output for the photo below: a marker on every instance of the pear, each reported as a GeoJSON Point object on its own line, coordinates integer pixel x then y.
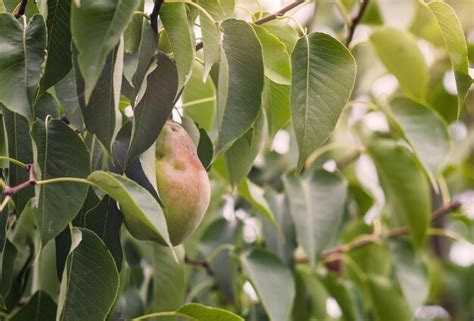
{"type": "Point", "coordinates": [182, 181]}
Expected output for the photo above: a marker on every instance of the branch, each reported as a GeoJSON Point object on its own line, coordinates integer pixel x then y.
{"type": "Point", "coordinates": [355, 21]}
{"type": "Point", "coordinates": [202, 263]}
{"type": "Point", "coordinates": [154, 15]}
{"type": "Point", "coordinates": [371, 238]}
{"type": "Point", "coordinates": [270, 17]}
{"type": "Point", "coordinates": [10, 191]}
{"type": "Point", "coordinates": [21, 9]}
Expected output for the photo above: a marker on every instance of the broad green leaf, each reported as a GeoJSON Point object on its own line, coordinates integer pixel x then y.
{"type": "Point", "coordinates": [275, 56]}
{"type": "Point", "coordinates": [323, 75]}
{"type": "Point", "coordinates": [2, 7]}
{"type": "Point", "coordinates": [105, 220]}
{"type": "Point", "coordinates": [7, 271]}
{"type": "Point", "coordinates": [425, 131]}
{"type": "Point", "coordinates": [22, 54]}
{"type": "Point", "coordinates": [59, 61]}
{"type": "Point", "coordinates": [199, 98]}
{"type": "Point", "coordinates": [423, 25]}
{"type": "Point", "coordinates": [405, 184]}
{"type": "Point", "coordinates": [132, 34]}
{"type": "Point", "coordinates": [143, 215]}
{"type": "Point", "coordinates": [254, 195]}
{"type": "Point", "coordinates": [272, 280]}
{"type": "Point", "coordinates": [339, 289]}
{"type": "Point", "coordinates": [60, 152]}
{"type": "Point", "coordinates": [280, 241]}
{"type": "Point", "coordinates": [66, 92]}
{"type": "Point", "coordinates": [311, 296]}
{"type": "Point", "coordinates": [181, 37]}
{"type": "Point", "coordinates": [46, 105]}
{"type": "Point", "coordinates": [169, 280]}
{"type": "Point", "coordinates": [90, 280]}
{"type": "Point", "coordinates": [101, 113]}
{"type": "Point", "coordinates": [241, 155]}
{"type": "Point", "coordinates": [399, 52]}
{"type": "Point", "coordinates": [199, 312]}
{"type": "Point", "coordinates": [154, 108]}
{"type": "Point", "coordinates": [40, 307]}
{"type": "Point", "coordinates": [387, 302]}
{"type": "Point", "coordinates": [276, 102]}
{"type": "Point", "coordinates": [317, 205]}
{"type": "Point", "coordinates": [17, 130]}
{"type": "Point", "coordinates": [210, 33]}
{"type": "Point", "coordinates": [455, 43]}
{"type": "Point", "coordinates": [239, 104]}
{"type": "Point", "coordinates": [411, 272]}
{"type": "Point", "coordinates": [96, 27]}
{"type": "Point", "coordinates": [284, 31]}
{"type": "Point", "coordinates": [146, 51]}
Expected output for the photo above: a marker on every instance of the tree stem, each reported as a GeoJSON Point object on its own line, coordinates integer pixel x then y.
{"type": "Point", "coordinates": [14, 161]}
{"type": "Point", "coordinates": [21, 9]}
{"type": "Point", "coordinates": [355, 21]}
{"type": "Point", "coordinates": [154, 15]}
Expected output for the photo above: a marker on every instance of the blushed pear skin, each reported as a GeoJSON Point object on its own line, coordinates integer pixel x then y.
{"type": "Point", "coordinates": [182, 181]}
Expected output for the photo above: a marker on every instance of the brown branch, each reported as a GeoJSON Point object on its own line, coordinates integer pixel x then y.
{"type": "Point", "coordinates": [371, 238]}
{"type": "Point", "coordinates": [154, 15]}
{"type": "Point", "coordinates": [21, 9]}
{"type": "Point", "coordinates": [202, 263]}
{"type": "Point", "coordinates": [10, 191]}
{"type": "Point", "coordinates": [270, 17]}
{"type": "Point", "coordinates": [355, 20]}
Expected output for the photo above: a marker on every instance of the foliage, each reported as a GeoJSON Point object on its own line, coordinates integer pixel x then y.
{"type": "Point", "coordinates": [337, 136]}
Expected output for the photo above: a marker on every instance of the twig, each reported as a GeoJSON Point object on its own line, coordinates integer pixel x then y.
{"type": "Point", "coordinates": [355, 21]}
{"type": "Point", "coordinates": [21, 9]}
{"type": "Point", "coordinates": [270, 17]}
{"type": "Point", "coordinates": [371, 238]}
{"type": "Point", "coordinates": [10, 191]}
{"type": "Point", "coordinates": [202, 263]}
{"type": "Point", "coordinates": [154, 15]}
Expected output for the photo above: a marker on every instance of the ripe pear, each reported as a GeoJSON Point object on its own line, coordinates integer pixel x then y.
{"type": "Point", "coordinates": [182, 181]}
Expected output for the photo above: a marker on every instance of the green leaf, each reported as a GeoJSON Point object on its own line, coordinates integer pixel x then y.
{"type": "Point", "coordinates": [387, 302]}
{"type": "Point", "coordinates": [181, 37]}
{"type": "Point", "coordinates": [132, 34]}
{"type": "Point", "coordinates": [22, 55]}
{"type": "Point", "coordinates": [105, 220]}
{"type": "Point", "coordinates": [455, 43]}
{"type": "Point", "coordinates": [90, 280]}
{"type": "Point", "coordinates": [205, 149]}
{"type": "Point", "coordinates": [339, 289]}
{"type": "Point", "coordinates": [154, 108]}
{"type": "Point", "coordinates": [60, 152]}
{"type": "Point", "coordinates": [146, 52]}
{"type": "Point", "coordinates": [425, 131]}
{"type": "Point", "coordinates": [199, 312]}
{"type": "Point", "coordinates": [284, 31]}
{"type": "Point", "coordinates": [17, 130]}
{"type": "Point", "coordinates": [275, 56]}
{"type": "Point", "coordinates": [96, 27]}
{"type": "Point", "coordinates": [40, 307]}
{"type": "Point", "coordinates": [405, 184]}
{"type": "Point", "coordinates": [241, 155]}
{"type": "Point", "coordinates": [66, 92]}
{"type": "Point", "coordinates": [169, 280]}
{"type": "Point", "coordinates": [46, 105]}
{"type": "Point", "coordinates": [59, 61]}
{"type": "Point", "coordinates": [199, 98]}
{"type": "Point", "coordinates": [272, 280]}
{"type": "Point", "coordinates": [101, 112]}
{"type": "Point", "coordinates": [399, 52]}
{"type": "Point", "coordinates": [254, 195]}
{"type": "Point", "coordinates": [317, 205]}
{"type": "Point", "coordinates": [143, 215]}
{"type": "Point", "coordinates": [323, 75]}
{"type": "Point", "coordinates": [210, 33]}
{"type": "Point", "coordinates": [276, 102]}
{"type": "Point", "coordinates": [238, 107]}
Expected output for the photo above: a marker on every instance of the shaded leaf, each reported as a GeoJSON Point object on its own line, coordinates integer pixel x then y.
{"type": "Point", "coordinates": [96, 27]}
{"type": "Point", "coordinates": [254, 195]}
{"type": "Point", "coordinates": [46, 105]}
{"type": "Point", "coordinates": [317, 206]}
{"type": "Point", "coordinates": [276, 102]}
{"type": "Point", "coordinates": [387, 302]}
{"type": "Point", "coordinates": [59, 61]}
{"type": "Point", "coordinates": [404, 182]}
{"type": "Point", "coordinates": [40, 307]}
{"type": "Point", "coordinates": [399, 52]}
{"type": "Point", "coordinates": [66, 92]}
{"type": "Point", "coordinates": [210, 33]}
{"type": "Point", "coordinates": [22, 54]}
{"type": "Point", "coordinates": [238, 108]}
{"type": "Point", "coordinates": [90, 280]}
{"type": "Point", "coordinates": [272, 280]}
{"type": "Point", "coordinates": [60, 152]}
{"type": "Point", "coordinates": [323, 75]}
{"type": "Point", "coordinates": [154, 108]}
{"type": "Point", "coordinates": [205, 149]}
